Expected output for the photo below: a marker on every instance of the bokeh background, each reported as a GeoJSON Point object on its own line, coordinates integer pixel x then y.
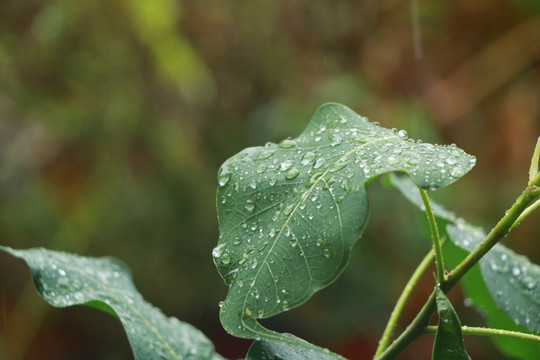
{"type": "Point", "coordinates": [116, 115]}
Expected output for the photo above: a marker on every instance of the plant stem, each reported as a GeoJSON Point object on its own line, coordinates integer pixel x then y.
{"type": "Point", "coordinates": [500, 230]}
{"type": "Point", "coordinates": [526, 213]}
{"type": "Point", "coordinates": [398, 308]}
{"type": "Point", "coordinates": [439, 260]}
{"type": "Point", "coordinates": [481, 331]}
{"type": "Point", "coordinates": [420, 322]}
{"type": "Point", "coordinates": [414, 330]}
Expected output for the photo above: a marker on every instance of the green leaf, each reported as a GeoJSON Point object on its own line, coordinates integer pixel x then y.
{"type": "Point", "coordinates": [474, 281]}
{"type": "Point", "coordinates": [478, 296]}
{"type": "Point", "coordinates": [512, 280]}
{"type": "Point", "coordinates": [105, 283]}
{"type": "Point", "coordinates": [269, 350]}
{"type": "Point", "coordinates": [449, 343]}
{"type": "Point", "coordinates": [290, 213]}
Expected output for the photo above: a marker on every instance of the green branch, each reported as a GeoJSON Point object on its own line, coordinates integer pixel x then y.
{"type": "Point", "coordinates": [503, 227]}
{"type": "Point", "coordinates": [481, 331]}
{"type": "Point", "coordinates": [398, 308]}
{"type": "Point", "coordinates": [439, 260]}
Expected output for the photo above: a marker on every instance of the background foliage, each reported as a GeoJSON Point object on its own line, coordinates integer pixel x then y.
{"type": "Point", "coordinates": [115, 116]}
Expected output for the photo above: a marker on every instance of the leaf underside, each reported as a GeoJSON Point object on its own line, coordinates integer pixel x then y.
{"type": "Point", "coordinates": [105, 283]}
{"type": "Point", "coordinates": [289, 213]}
{"type": "Point", "coordinates": [448, 343]}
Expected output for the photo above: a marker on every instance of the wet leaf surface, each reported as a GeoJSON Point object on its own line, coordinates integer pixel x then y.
{"type": "Point", "coordinates": [289, 213]}
{"type": "Point", "coordinates": [105, 283]}
{"type": "Point", "coordinates": [268, 350]}
{"type": "Point", "coordinates": [449, 343]}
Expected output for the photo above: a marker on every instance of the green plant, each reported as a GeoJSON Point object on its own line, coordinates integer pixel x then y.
{"type": "Point", "coordinates": [289, 215]}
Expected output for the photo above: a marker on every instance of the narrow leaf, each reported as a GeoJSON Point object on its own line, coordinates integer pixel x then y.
{"type": "Point", "coordinates": [289, 213]}
{"type": "Point", "coordinates": [269, 350]}
{"type": "Point", "coordinates": [105, 283]}
{"type": "Point", "coordinates": [449, 343]}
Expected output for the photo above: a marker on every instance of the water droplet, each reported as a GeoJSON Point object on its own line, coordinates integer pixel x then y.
{"type": "Point", "coordinates": [516, 271]}
{"type": "Point", "coordinates": [457, 171]}
{"type": "Point", "coordinates": [292, 174]}
{"type": "Point", "coordinates": [253, 184]}
{"type": "Point", "coordinates": [261, 168]}
{"type": "Point", "coordinates": [286, 165]}
{"type": "Point", "coordinates": [218, 251]}
{"type": "Point", "coordinates": [288, 209]}
{"type": "Point", "coordinates": [287, 144]}
{"type": "Point", "coordinates": [223, 179]}
{"type": "Point", "coordinates": [250, 206]}
{"type": "Point", "coordinates": [392, 160]}
{"type": "Point", "coordinates": [272, 181]}
{"type": "Point", "coordinates": [225, 259]}
{"type": "Point", "coordinates": [309, 156]}
{"type": "Point", "coordinates": [266, 154]}
{"type": "Point", "coordinates": [338, 166]}
{"type": "Point", "coordinates": [237, 240]}
{"type": "Point", "coordinates": [402, 134]}
{"type": "Point", "coordinates": [61, 272]}
{"type": "Point", "coordinates": [326, 253]}
{"type": "Point", "coordinates": [319, 162]}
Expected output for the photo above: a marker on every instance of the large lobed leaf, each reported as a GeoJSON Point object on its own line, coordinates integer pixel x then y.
{"type": "Point", "coordinates": [105, 283]}
{"type": "Point", "coordinates": [448, 343]}
{"type": "Point", "coordinates": [289, 213]}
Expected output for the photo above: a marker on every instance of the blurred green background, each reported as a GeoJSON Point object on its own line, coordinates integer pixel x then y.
{"type": "Point", "coordinates": [116, 115]}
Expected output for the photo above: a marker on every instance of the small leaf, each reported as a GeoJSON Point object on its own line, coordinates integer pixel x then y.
{"type": "Point", "coordinates": [449, 343]}
{"type": "Point", "coordinates": [289, 213]}
{"type": "Point", "coordinates": [269, 350]}
{"type": "Point", "coordinates": [512, 280]}
{"type": "Point", "coordinates": [105, 283]}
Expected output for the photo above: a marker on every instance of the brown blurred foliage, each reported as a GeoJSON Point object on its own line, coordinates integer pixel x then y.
{"type": "Point", "coordinates": [116, 115]}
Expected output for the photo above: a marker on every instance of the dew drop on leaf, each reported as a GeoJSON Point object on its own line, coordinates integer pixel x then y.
{"type": "Point", "coordinates": [261, 168]}
{"type": "Point", "coordinates": [402, 134]}
{"type": "Point", "coordinates": [250, 205]}
{"type": "Point", "coordinates": [223, 179]}
{"type": "Point", "coordinates": [292, 174]}
{"type": "Point", "coordinates": [286, 165]}
{"type": "Point", "coordinates": [287, 144]}
{"type": "Point", "coordinates": [319, 162]}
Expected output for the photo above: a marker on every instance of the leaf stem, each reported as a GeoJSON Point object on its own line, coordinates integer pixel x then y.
{"type": "Point", "coordinates": [503, 227]}
{"type": "Point", "coordinates": [439, 260]}
{"type": "Point", "coordinates": [398, 308]}
{"type": "Point", "coordinates": [420, 322]}
{"type": "Point", "coordinates": [481, 331]}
